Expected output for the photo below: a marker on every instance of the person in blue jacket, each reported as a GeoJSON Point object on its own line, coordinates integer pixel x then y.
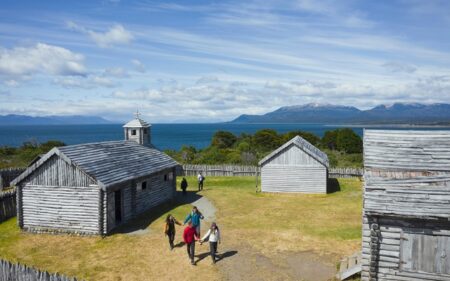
{"type": "Point", "coordinates": [194, 216]}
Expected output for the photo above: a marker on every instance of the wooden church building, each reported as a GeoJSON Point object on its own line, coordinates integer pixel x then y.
{"type": "Point", "coordinates": [406, 217]}
{"type": "Point", "coordinates": [296, 166]}
{"type": "Point", "coordinates": [93, 188]}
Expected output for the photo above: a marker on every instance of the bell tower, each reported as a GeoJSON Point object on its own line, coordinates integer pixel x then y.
{"type": "Point", "coordinates": [138, 130]}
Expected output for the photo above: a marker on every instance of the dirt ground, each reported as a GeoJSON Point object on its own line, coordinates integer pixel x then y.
{"type": "Point", "coordinates": [248, 264]}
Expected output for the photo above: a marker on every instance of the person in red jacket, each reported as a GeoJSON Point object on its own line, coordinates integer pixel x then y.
{"type": "Point", "coordinates": [189, 237]}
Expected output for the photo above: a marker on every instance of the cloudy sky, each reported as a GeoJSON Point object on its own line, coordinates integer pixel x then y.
{"type": "Point", "coordinates": [212, 61]}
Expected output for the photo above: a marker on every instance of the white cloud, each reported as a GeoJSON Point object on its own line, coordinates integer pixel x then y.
{"type": "Point", "coordinates": [116, 35]}
{"type": "Point", "coordinates": [138, 66]}
{"type": "Point", "coordinates": [41, 58]}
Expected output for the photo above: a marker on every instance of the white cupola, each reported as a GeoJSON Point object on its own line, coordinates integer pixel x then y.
{"type": "Point", "coordinates": [138, 130]}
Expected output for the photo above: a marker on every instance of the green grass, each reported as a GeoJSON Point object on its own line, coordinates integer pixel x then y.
{"type": "Point", "coordinates": [329, 218]}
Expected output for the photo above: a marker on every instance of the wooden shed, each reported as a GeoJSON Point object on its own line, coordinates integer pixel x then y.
{"type": "Point", "coordinates": [296, 166]}
{"type": "Point", "coordinates": [92, 188]}
{"type": "Point", "coordinates": [406, 218]}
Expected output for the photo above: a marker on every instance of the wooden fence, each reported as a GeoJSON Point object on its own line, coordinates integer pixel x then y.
{"type": "Point", "coordinates": [7, 205]}
{"type": "Point", "coordinates": [236, 170]}
{"type": "Point", "coordinates": [7, 175]}
{"type": "Point", "coordinates": [13, 271]}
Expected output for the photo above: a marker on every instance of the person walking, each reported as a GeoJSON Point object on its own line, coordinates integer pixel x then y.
{"type": "Point", "coordinates": [189, 237]}
{"type": "Point", "coordinates": [194, 217]}
{"type": "Point", "coordinates": [200, 179]}
{"type": "Point", "coordinates": [169, 229]}
{"type": "Point", "coordinates": [213, 236]}
{"type": "Point", "coordinates": [184, 185]}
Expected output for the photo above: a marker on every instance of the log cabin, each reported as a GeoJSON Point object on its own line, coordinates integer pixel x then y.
{"type": "Point", "coordinates": [95, 187]}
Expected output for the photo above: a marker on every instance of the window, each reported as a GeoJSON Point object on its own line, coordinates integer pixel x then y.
{"type": "Point", "coordinates": [144, 185]}
{"type": "Point", "coordinates": [145, 131]}
{"type": "Point", "coordinates": [168, 177]}
{"type": "Point", "coordinates": [133, 132]}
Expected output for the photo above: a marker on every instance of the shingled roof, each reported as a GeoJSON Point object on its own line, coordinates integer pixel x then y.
{"type": "Point", "coordinates": [304, 145]}
{"type": "Point", "coordinates": [109, 163]}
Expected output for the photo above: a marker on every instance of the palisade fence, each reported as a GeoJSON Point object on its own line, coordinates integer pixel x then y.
{"type": "Point", "coordinates": [7, 175]}
{"type": "Point", "coordinates": [13, 271]}
{"type": "Point", "coordinates": [237, 170]}
{"type": "Point", "coordinates": [7, 205]}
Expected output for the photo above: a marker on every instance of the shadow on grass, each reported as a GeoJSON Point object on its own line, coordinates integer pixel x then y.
{"type": "Point", "coordinates": [226, 255]}
{"type": "Point", "coordinates": [201, 256]}
{"type": "Point", "coordinates": [179, 244]}
{"type": "Point", "coordinates": [333, 185]}
{"type": "Point", "coordinates": [142, 221]}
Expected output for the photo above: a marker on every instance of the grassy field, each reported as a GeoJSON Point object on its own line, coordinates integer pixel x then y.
{"type": "Point", "coordinates": [258, 227]}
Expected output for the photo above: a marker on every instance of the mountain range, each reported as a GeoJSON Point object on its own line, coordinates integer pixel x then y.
{"type": "Point", "coordinates": [397, 113]}
{"type": "Point", "coordinates": [13, 120]}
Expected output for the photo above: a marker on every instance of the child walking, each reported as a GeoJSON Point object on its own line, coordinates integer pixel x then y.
{"type": "Point", "coordinates": [214, 237]}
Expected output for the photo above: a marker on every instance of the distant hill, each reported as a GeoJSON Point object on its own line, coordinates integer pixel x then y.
{"type": "Point", "coordinates": [398, 113]}
{"type": "Point", "coordinates": [14, 120]}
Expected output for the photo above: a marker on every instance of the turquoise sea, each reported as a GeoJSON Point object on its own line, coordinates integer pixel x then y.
{"type": "Point", "coordinates": [164, 136]}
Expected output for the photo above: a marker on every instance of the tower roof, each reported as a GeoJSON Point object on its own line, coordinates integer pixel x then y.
{"type": "Point", "coordinates": [137, 122]}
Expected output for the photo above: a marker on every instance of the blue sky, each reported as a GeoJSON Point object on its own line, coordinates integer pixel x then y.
{"type": "Point", "coordinates": [209, 61]}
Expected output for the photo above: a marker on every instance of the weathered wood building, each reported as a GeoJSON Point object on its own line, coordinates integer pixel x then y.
{"type": "Point", "coordinates": [406, 218]}
{"type": "Point", "coordinates": [296, 166]}
{"type": "Point", "coordinates": [93, 188]}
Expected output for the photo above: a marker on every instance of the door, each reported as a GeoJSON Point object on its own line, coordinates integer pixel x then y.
{"type": "Point", "coordinates": [118, 206]}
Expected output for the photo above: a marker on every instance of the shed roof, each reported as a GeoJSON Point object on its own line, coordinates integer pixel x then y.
{"type": "Point", "coordinates": [407, 150]}
{"type": "Point", "coordinates": [304, 145]}
{"type": "Point", "coordinates": [136, 123]}
{"type": "Point", "coordinates": [110, 162]}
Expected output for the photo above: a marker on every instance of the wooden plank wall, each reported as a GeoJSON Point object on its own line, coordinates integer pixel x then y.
{"type": "Point", "coordinates": [7, 205]}
{"type": "Point", "coordinates": [61, 209]}
{"type": "Point", "coordinates": [293, 155]}
{"type": "Point", "coordinates": [57, 172]}
{"type": "Point", "coordinates": [286, 178]}
{"type": "Point", "coordinates": [15, 271]}
{"type": "Point", "coordinates": [238, 170]}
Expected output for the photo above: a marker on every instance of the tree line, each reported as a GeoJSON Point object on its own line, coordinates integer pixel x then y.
{"type": "Point", "coordinates": [343, 147]}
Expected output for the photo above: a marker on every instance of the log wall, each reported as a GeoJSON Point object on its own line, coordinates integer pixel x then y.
{"type": "Point", "coordinates": [61, 209]}
{"type": "Point", "coordinates": [290, 178]}
{"type": "Point", "coordinates": [406, 228]}
{"type": "Point", "coordinates": [7, 205]}
{"type": "Point", "coordinates": [14, 271]}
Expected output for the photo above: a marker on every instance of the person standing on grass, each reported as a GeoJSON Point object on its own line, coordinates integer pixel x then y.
{"type": "Point", "coordinates": [194, 217]}
{"type": "Point", "coordinates": [184, 185]}
{"type": "Point", "coordinates": [213, 235]}
{"type": "Point", "coordinates": [169, 229]}
{"type": "Point", "coordinates": [189, 237]}
{"type": "Point", "coordinates": [200, 179]}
